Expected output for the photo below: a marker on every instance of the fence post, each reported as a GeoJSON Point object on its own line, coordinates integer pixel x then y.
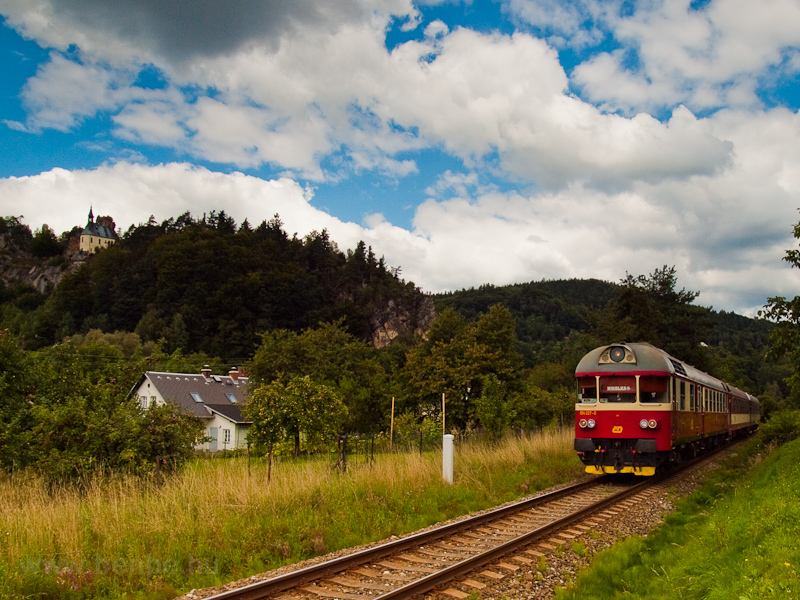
{"type": "Point", "coordinates": [391, 428]}
{"type": "Point", "coordinates": [447, 458]}
{"type": "Point", "coordinates": [420, 442]}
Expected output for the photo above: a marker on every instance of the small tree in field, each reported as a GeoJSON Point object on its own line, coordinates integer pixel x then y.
{"type": "Point", "coordinates": [280, 410]}
{"type": "Point", "coordinates": [167, 438]}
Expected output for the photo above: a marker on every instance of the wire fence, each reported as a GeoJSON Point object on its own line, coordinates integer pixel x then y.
{"type": "Point", "coordinates": [360, 448]}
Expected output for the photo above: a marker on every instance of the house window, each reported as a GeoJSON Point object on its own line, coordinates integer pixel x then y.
{"type": "Point", "coordinates": [143, 401]}
{"type": "Point", "coordinates": [227, 436]}
{"type": "Point", "coordinates": [232, 398]}
{"type": "Point", "coordinates": [153, 401]}
{"type": "Point", "coordinates": [196, 397]}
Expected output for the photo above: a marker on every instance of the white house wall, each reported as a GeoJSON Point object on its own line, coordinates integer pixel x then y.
{"type": "Point", "coordinates": [237, 437]}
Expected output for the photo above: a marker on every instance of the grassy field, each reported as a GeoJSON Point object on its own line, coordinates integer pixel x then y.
{"type": "Point", "coordinates": [738, 538]}
{"type": "Point", "coordinates": [124, 539]}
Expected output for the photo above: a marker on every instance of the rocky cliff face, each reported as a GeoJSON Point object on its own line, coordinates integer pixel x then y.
{"type": "Point", "coordinates": [17, 265]}
{"type": "Point", "coordinates": [396, 321]}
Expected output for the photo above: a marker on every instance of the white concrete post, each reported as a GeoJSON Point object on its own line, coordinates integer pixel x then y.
{"type": "Point", "coordinates": [447, 458]}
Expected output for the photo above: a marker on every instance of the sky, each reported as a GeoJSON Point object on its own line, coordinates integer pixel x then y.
{"type": "Point", "coordinates": [467, 142]}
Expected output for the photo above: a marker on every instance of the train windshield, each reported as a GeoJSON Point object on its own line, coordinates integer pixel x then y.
{"type": "Point", "coordinates": [654, 389]}
{"type": "Point", "coordinates": [618, 389]}
{"type": "Point", "coordinates": [587, 390]}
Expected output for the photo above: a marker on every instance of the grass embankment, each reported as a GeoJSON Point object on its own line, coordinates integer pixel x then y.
{"type": "Point", "coordinates": [214, 523]}
{"type": "Point", "coordinates": [736, 538]}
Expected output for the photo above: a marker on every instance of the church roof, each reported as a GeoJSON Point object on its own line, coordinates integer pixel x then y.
{"type": "Point", "coordinates": [98, 230]}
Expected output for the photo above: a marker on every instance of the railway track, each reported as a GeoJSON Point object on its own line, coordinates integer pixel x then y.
{"type": "Point", "coordinates": [419, 563]}
{"type": "Point", "coordinates": [504, 539]}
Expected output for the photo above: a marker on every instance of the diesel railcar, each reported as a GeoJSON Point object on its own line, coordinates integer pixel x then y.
{"type": "Point", "coordinates": [639, 408]}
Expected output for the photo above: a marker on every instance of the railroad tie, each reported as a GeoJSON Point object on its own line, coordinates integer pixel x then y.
{"type": "Point", "coordinates": [391, 575]}
{"type": "Point", "coordinates": [491, 575]}
{"type": "Point", "coordinates": [411, 568]}
{"type": "Point", "coordinates": [326, 593]}
{"type": "Point", "coordinates": [454, 593]}
{"type": "Point", "coordinates": [360, 585]}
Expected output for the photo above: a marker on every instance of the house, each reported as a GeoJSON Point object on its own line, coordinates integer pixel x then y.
{"type": "Point", "coordinates": [97, 235]}
{"type": "Point", "coordinates": [216, 399]}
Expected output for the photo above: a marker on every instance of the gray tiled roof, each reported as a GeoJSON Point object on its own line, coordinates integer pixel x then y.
{"type": "Point", "coordinates": [213, 391]}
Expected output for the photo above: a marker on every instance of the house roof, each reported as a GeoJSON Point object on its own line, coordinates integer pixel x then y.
{"type": "Point", "coordinates": [231, 412]}
{"type": "Point", "coordinates": [201, 395]}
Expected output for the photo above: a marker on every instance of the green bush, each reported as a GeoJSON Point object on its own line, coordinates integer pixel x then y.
{"type": "Point", "coordinates": [782, 427]}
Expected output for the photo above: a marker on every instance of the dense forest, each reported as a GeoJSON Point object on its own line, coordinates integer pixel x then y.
{"type": "Point", "coordinates": [208, 285]}
{"type": "Point", "coordinates": [557, 321]}
{"type": "Point", "coordinates": [312, 324]}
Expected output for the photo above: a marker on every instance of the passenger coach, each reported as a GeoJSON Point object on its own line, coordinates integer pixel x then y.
{"type": "Point", "coordinates": [639, 408]}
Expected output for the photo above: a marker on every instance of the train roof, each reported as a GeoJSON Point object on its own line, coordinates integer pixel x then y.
{"type": "Point", "coordinates": [641, 358]}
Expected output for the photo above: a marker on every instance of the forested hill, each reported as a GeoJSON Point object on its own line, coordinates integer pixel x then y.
{"type": "Point", "coordinates": [213, 286]}
{"type": "Point", "coordinates": [210, 285]}
{"type": "Point", "coordinates": [554, 318]}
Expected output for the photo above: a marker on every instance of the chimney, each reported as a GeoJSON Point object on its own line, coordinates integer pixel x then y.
{"type": "Point", "coordinates": [206, 372]}
{"type": "Point", "coordinates": [237, 372]}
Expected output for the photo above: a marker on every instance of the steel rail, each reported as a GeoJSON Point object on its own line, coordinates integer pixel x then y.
{"type": "Point", "coordinates": [262, 589]}
{"type": "Point", "coordinates": [468, 565]}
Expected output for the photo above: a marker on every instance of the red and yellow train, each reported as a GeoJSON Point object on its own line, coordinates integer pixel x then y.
{"type": "Point", "coordinates": [639, 408]}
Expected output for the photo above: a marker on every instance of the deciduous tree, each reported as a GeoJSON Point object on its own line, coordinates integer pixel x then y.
{"type": "Point", "coordinates": [785, 338]}
{"type": "Point", "coordinates": [652, 309]}
{"type": "Point", "coordinates": [299, 406]}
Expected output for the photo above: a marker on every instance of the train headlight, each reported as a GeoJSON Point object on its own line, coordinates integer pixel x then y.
{"type": "Point", "coordinates": [590, 423]}
{"type": "Point", "coordinates": [583, 423]}
{"type": "Point", "coordinates": [653, 424]}
{"type": "Point", "coordinates": [643, 424]}
{"type": "Point", "coordinates": [617, 354]}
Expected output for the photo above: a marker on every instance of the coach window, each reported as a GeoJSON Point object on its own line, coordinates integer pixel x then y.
{"type": "Point", "coordinates": [682, 395]}
{"type": "Point", "coordinates": [691, 397]}
{"type": "Point", "coordinates": [653, 389]}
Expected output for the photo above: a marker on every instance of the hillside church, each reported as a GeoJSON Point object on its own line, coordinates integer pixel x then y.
{"type": "Point", "coordinates": [98, 234]}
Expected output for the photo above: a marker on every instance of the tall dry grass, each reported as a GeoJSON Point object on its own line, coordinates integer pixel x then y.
{"type": "Point", "coordinates": [216, 522]}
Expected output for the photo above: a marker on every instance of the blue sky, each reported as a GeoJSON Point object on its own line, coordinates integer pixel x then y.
{"type": "Point", "coordinates": [467, 142]}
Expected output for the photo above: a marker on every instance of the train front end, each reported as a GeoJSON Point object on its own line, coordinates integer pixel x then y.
{"type": "Point", "coordinates": [623, 414]}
